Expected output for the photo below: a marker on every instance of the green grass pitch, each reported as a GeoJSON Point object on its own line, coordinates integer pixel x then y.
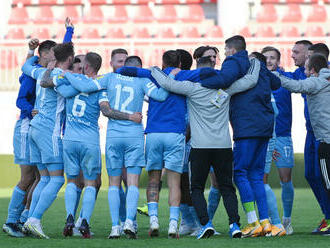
{"type": "Point", "coordinates": [306, 215]}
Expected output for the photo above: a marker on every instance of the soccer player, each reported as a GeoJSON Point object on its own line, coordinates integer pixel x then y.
{"type": "Point", "coordinates": [252, 119]}
{"type": "Point", "coordinates": [281, 145]}
{"type": "Point", "coordinates": [78, 63]}
{"type": "Point", "coordinates": [313, 172]}
{"type": "Point", "coordinates": [118, 57]}
{"type": "Point", "coordinates": [211, 144]}
{"type": "Point", "coordinates": [45, 135]}
{"type": "Point", "coordinates": [125, 141]}
{"type": "Point", "coordinates": [214, 195]}
{"type": "Point", "coordinates": [317, 91]}
{"type": "Point", "coordinates": [25, 102]}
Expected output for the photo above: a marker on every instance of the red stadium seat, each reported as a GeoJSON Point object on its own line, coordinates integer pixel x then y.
{"type": "Point", "coordinates": [190, 32]}
{"type": "Point", "coordinates": [18, 16]}
{"type": "Point", "coordinates": [214, 32]}
{"type": "Point", "coordinates": [141, 33]}
{"type": "Point", "coordinates": [44, 16]}
{"type": "Point", "coordinates": [267, 14]}
{"type": "Point", "coordinates": [265, 32]}
{"type": "Point", "coordinates": [41, 34]}
{"type": "Point", "coordinates": [167, 14]}
{"type": "Point", "coordinates": [90, 33]}
{"type": "Point", "coordinates": [73, 2]}
{"type": "Point", "coordinates": [301, 1]}
{"type": "Point", "coordinates": [130, 2]}
{"type": "Point", "coordinates": [101, 2]}
{"type": "Point", "coordinates": [318, 13]}
{"type": "Point", "coordinates": [95, 15]}
{"type": "Point", "coordinates": [70, 11]}
{"type": "Point", "coordinates": [166, 33]}
{"type": "Point", "coordinates": [119, 15]}
{"type": "Point", "coordinates": [293, 14]}
{"type": "Point", "coordinates": [47, 2]}
{"type": "Point", "coordinates": [290, 31]}
{"type": "Point", "coordinates": [194, 13]}
{"type": "Point", "coordinates": [314, 31]}
{"type": "Point", "coordinates": [143, 14]}
{"type": "Point", "coordinates": [115, 33]}
{"type": "Point", "coordinates": [245, 32]}
{"type": "Point", "coordinates": [15, 33]}
{"type": "Point", "coordinates": [24, 2]}
{"type": "Point", "coordinates": [8, 59]}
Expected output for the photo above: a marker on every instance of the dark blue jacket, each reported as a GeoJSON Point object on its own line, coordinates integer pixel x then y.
{"type": "Point", "coordinates": [251, 112]}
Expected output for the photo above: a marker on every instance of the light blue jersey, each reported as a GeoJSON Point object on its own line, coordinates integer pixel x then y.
{"type": "Point", "coordinates": [82, 112]}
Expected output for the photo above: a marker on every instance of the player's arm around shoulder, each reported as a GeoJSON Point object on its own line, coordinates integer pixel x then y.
{"type": "Point", "coordinates": [151, 90]}
{"type": "Point", "coordinates": [31, 69]}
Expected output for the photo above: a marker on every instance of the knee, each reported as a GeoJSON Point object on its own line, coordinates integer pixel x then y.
{"type": "Point", "coordinates": [26, 181]}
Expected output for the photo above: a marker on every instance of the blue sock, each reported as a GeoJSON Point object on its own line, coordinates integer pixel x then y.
{"type": "Point", "coordinates": [16, 205]}
{"type": "Point", "coordinates": [213, 202]}
{"type": "Point", "coordinates": [185, 214]}
{"type": "Point", "coordinates": [272, 205]}
{"type": "Point", "coordinates": [174, 213]}
{"type": "Point", "coordinates": [48, 195]}
{"type": "Point", "coordinates": [24, 216]}
{"type": "Point", "coordinates": [77, 200]}
{"type": "Point", "coordinates": [88, 202]}
{"type": "Point", "coordinates": [122, 209]}
{"type": "Point", "coordinates": [132, 199]}
{"type": "Point", "coordinates": [44, 180]}
{"type": "Point", "coordinates": [153, 208]}
{"type": "Point", "coordinates": [287, 198]}
{"type": "Point", "coordinates": [194, 215]}
{"type": "Point", "coordinates": [70, 198]}
{"type": "Point", "coordinates": [114, 204]}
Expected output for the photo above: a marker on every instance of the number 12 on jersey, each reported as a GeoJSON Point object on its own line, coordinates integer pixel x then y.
{"type": "Point", "coordinates": [128, 100]}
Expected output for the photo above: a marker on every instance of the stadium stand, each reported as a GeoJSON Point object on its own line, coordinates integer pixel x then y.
{"type": "Point", "coordinates": [41, 33]}
{"type": "Point", "coordinates": [317, 13]}
{"type": "Point", "coordinates": [143, 14]}
{"type": "Point", "coordinates": [190, 32]}
{"type": "Point", "coordinates": [194, 13]}
{"type": "Point", "coordinates": [94, 15]}
{"type": "Point", "coordinates": [267, 13]}
{"type": "Point", "coordinates": [18, 15]}
{"type": "Point", "coordinates": [292, 14]}
{"type": "Point", "coordinates": [265, 32]}
{"type": "Point", "coordinates": [119, 15]}
{"type": "Point", "coordinates": [115, 33]}
{"type": "Point", "coordinates": [90, 33]}
{"type": "Point", "coordinates": [314, 31]}
{"type": "Point", "coordinates": [44, 15]}
{"type": "Point", "coordinates": [71, 11]}
{"type": "Point", "coordinates": [15, 33]}
{"type": "Point", "coordinates": [8, 59]}
{"type": "Point", "coordinates": [214, 32]}
{"type": "Point", "coordinates": [166, 33]}
{"type": "Point", "coordinates": [289, 31]}
{"type": "Point", "coordinates": [167, 14]}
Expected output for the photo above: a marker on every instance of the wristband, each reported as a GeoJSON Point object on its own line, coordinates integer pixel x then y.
{"type": "Point", "coordinates": [31, 52]}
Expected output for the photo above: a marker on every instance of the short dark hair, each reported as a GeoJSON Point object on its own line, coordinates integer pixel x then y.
{"type": "Point", "coordinates": [237, 42]}
{"type": "Point", "coordinates": [46, 46]}
{"type": "Point", "coordinates": [317, 61]}
{"type": "Point", "coordinates": [78, 58]}
{"type": "Point", "coordinates": [63, 51]}
{"type": "Point", "coordinates": [320, 48]}
{"type": "Point", "coordinates": [117, 51]}
{"type": "Point", "coordinates": [94, 60]}
{"type": "Point", "coordinates": [306, 43]}
{"type": "Point", "coordinates": [204, 62]}
{"type": "Point", "coordinates": [271, 49]}
{"type": "Point", "coordinates": [171, 58]}
{"type": "Point", "coordinates": [133, 61]}
{"type": "Point", "coordinates": [185, 59]}
{"type": "Point", "coordinates": [198, 53]}
{"type": "Point", "coordinates": [259, 56]}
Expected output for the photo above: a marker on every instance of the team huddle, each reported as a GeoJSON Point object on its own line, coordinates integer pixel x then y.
{"type": "Point", "coordinates": [186, 137]}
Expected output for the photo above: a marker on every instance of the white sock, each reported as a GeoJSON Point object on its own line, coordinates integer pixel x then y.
{"type": "Point", "coordinates": [286, 219]}
{"type": "Point", "coordinates": [34, 220]}
{"type": "Point", "coordinates": [78, 222]}
{"type": "Point", "coordinates": [251, 216]}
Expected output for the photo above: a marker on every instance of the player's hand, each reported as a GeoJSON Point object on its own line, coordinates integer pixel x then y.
{"type": "Point", "coordinates": [276, 155]}
{"type": "Point", "coordinates": [51, 64]}
{"type": "Point", "coordinates": [33, 44]}
{"type": "Point", "coordinates": [34, 112]}
{"type": "Point", "coordinates": [175, 71]}
{"type": "Point", "coordinates": [136, 117]}
{"type": "Point", "coordinates": [68, 23]}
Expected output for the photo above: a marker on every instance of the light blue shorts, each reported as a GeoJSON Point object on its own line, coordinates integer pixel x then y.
{"type": "Point", "coordinates": [165, 148]}
{"type": "Point", "coordinates": [81, 156]}
{"type": "Point", "coordinates": [186, 157]}
{"type": "Point", "coordinates": [284, 146]}
{"type": "Point", "coordinates": [21, 142]}
{"type": "Point", "coordinates": [269, 155]}
{"type": "Point", "coordinates": [128, 152]}
{"type": "Point", "coordinates": [130, 170]}
{"type": "Point", "coordinates": [44, 147]}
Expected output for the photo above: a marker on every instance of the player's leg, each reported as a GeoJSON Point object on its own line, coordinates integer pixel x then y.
{"type": "Point", "coordinates": [277, 227]}
{"type": "Point", "coordinates": [244, 153]}
{"type": "Point", "coordinates": [199, 170]}
{"type": "Point", "coordinates": [285, 163]}
{"type": "Point", "coordinates": [122, 195]}
{"type": "Point", "coordinates": [214, 195]}
{"type": "Point", "coordinates": [223, 170]}
{"type": "Point", "coordinates": [255, 176]}
{"type": "Point", "coordinates": [154, 166]}
{"type": "Point", "coordinates": [324, 156]}
{"type": "Point", "coordinates": [115, 150]}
